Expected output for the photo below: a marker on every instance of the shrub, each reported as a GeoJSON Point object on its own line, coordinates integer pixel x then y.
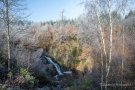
{"type": "Point", "coordinates": [30, 80]}
{"type": "Point", "coordinates": [24, 72]}
{"type": "Point", "coordinates": [10, 74]}
{"type": "Point", "coordinates": [86, 83]}
{"type": "Point", "coordinates": [3, 64]}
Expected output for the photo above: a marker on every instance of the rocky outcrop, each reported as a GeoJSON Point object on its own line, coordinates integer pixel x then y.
{"type": "Point", "coordinates": [44, 67]}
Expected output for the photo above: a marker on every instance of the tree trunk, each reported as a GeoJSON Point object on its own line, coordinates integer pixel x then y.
{"type": "Point", "coordinates": [103, 46]}
{"type": "Point", "coordinates": [110, 53]}
{"type": "Point", "coordinates": [8, 33]}
{"type": "Point", "coordinates": [122, 62]}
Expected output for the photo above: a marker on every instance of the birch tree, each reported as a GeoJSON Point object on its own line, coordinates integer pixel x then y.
{"type": "Point", "coordinates": [8, 14]}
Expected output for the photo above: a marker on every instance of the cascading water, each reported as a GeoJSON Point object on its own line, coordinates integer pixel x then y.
{"type": "Point", "coordinates": [59, 71]}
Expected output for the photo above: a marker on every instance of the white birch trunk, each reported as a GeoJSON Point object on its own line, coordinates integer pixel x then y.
{"type": "Point", "coordinates": [103, 46]}
{"type": "Point", "coordinates": [110, 53]}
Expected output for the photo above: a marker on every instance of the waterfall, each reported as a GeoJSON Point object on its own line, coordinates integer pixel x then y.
{"type": "Point", "coordinates": [55, 65]}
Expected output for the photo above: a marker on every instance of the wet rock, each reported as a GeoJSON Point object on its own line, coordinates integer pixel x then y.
{"type": "Point", "coordinates": [42, 70]}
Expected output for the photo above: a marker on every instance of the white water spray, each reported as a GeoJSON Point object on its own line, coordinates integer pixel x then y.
{"type": "Point", "coordinates": [55, 65]}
